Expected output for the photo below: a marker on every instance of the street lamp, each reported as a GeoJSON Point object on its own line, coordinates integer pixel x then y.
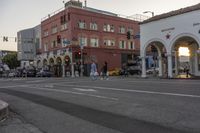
{"type": "Point", "coordinates": [152, 13]}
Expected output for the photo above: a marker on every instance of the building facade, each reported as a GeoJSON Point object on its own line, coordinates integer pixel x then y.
{"type": "Point", "coordinates": [82, 34]}
{"type": "Point", "coordinates": [27, 41]}
{"type": "Point", "coordinates": [168, 32]}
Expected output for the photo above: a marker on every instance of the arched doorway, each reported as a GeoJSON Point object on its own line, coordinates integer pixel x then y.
{"type": "Point", "coordinates": [51, 65]}
{"type": "Point", "coordinates": [58, 67]}
{"type": "Point", "coordinates": [154, 58]}
{"type": "Point", "coordinates": [185, 51]}
{"type": "Point", "coordinates": [67, 61]}
{"type": "Point", "coordinates": [45, 64]}
{"type": "Point", "coordinates": [39, 64]}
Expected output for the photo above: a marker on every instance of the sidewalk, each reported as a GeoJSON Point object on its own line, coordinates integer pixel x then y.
{"type": "Point", "coordinates": [13, 123]}
{"type": "Point", "coordinates": [3, 110]}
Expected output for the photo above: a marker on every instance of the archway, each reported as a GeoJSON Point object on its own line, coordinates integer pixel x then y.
{"type": "Point", "coordinates": [51, 65]}
{"type": "Point", "coordinates": [39, 64]}
{"type": "Point", "coordinates": [45, 64]}
{"type": "Point", "coordinates": [154, 60]}
{"type": "Point", "coordinates": [184, 62]}
{"type": "Point", "coordinates": [58, 67]}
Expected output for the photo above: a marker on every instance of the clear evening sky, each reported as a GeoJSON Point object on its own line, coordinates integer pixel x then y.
{"type": "Point", "coordinates": [16, 15]}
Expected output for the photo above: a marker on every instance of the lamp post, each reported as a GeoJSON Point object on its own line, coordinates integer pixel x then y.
{"type": "Point", "coordinates": [152, 13]}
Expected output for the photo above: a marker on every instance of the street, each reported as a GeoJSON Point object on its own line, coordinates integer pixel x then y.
{"type": "Point", "coordinates": [117, 105]}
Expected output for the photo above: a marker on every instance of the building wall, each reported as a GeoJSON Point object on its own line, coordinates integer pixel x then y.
{"type": "Point", "coordinates": [25, 44]}
{"type": "Point", "coordinates": [73, 32]}
{"type": "Point", "coordinates": [176, 26]}
{"type": "Point", "coordinates": [169, 30]}
{"type": "Point", "coordinates": [27, 41]}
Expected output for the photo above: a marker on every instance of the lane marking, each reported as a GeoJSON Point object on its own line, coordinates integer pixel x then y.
{"type": "Point", "coordinates": [137, 91]}
{"type": "Point", "coordinates": [72, 92]}
{"type": "Point", "coordinates": [82, 89]}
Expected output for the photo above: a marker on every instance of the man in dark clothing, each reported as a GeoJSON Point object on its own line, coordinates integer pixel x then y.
{"type": "Point", "coordinates": [105, 69]}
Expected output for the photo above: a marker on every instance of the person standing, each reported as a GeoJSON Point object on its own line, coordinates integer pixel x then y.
{"type": "Point", "coordinates": [93, 72]}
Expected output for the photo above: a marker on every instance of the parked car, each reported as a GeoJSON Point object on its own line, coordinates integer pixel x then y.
{"type": "Point", "coordinates": [31, 72]}
{"type": "Point", "coordinates": [44, 73]}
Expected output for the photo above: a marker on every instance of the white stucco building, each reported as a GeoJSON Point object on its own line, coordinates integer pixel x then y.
{"type": "Point", "coordinates": [169, 31]}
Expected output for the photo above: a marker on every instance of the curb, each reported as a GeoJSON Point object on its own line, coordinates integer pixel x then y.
{"type": "Point", "coordinates": [3, 110]}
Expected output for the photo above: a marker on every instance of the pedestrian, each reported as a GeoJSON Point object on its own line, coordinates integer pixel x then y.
{"type": "Point", "coordinates": [93, 71]}
{"type": "Point", "coordinates": [187, 69]}
{"type": "Point", "coordinates": [105, 70]}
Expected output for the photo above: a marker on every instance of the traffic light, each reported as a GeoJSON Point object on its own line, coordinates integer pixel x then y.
{"type": "Point", "coordinates": [128, 35]}
{"type": "Point", "coordinates": [58, 38]}
{"type": "Point", "coordinates": [78, 55]}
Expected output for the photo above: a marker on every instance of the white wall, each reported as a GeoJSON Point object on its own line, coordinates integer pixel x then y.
{"type": "Point", "coordinates": [180, 24]}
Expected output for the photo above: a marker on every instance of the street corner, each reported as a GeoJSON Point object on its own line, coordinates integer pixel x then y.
{"type": "Point", "coordinates": [3, 110]}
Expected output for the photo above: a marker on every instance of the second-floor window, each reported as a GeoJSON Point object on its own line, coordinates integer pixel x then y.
{"type": "Point", "coordinates": [131, 45]}
{"type": "Point", "coordinates": [46, 47]}
{"type": "Point", "coordinates": [109, 42]}
{"type": "Point", "coordinates": [53, 44]}
{"type": "Point", "coordinates": [94, 42]}
{"type": "Point", "coordinates": [122, 44]}
{"type": "Point", "coordinates": [93, 26]}
{"type": "Point", "coordinates": [83, 41]}
{"type": "Point", "coordinates": [82, 24]}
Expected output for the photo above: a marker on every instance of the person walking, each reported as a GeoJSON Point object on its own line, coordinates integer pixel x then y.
{"type": "Point", "coordinates": [93, 72]}
{"type": "Point", "coordinates": [105, 70]}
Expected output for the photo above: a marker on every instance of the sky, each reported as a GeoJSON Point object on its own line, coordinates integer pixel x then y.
{"type": "Point", "coordinates": [16, 15]}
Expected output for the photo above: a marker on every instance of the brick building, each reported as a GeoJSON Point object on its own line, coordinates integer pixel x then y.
{"type": "Point", "coordinates": [102, 35]}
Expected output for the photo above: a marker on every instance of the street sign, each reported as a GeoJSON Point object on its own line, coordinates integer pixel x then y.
{"type": "Point", "coordinates": [66, 42]}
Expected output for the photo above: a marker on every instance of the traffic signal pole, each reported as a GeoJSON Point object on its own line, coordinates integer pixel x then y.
{"type": "Point", "coordinates": [82, 60]}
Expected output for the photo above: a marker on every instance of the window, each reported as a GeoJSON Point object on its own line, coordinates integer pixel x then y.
{"type": "Point", "coordinates": [108, 42]}
{"type": "Point", "coordinates": [46, 47]}
{"type": "Point", "coordinates": [94, 42]}
{"type": "Point", "coordinates": [82, 25]}
{"type": "Point", "coordinates": [63, 19]}
{"type": "Point", "coordinates": [122, 44]}
{"type": "Point", "coordinates": [108, 28]}
{"type": "Point", "coordinates": [131, 30]}
{"type": "Point", "coordinates": [46, 33]}
{"type": "Point", "coordinates": [53, 44]}
{"type": "Point", "coordinates": [131, 45]}
{"type": "Point", "coordinates": [64, 26]}
{"type": "Point", "coordinates": [54, 30]}
{"type": "Point", "coordinates": [83, 41]}
{"type": "Point", "coordinates": [93, 26]}
{"type": "Point", "coordinates": [122, 30]}
{"type": "Point", "coordinates": [65, 42]}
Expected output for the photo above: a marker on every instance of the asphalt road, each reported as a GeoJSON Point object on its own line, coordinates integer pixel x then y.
{"type": "Point", "coordinates": [128, 105]}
